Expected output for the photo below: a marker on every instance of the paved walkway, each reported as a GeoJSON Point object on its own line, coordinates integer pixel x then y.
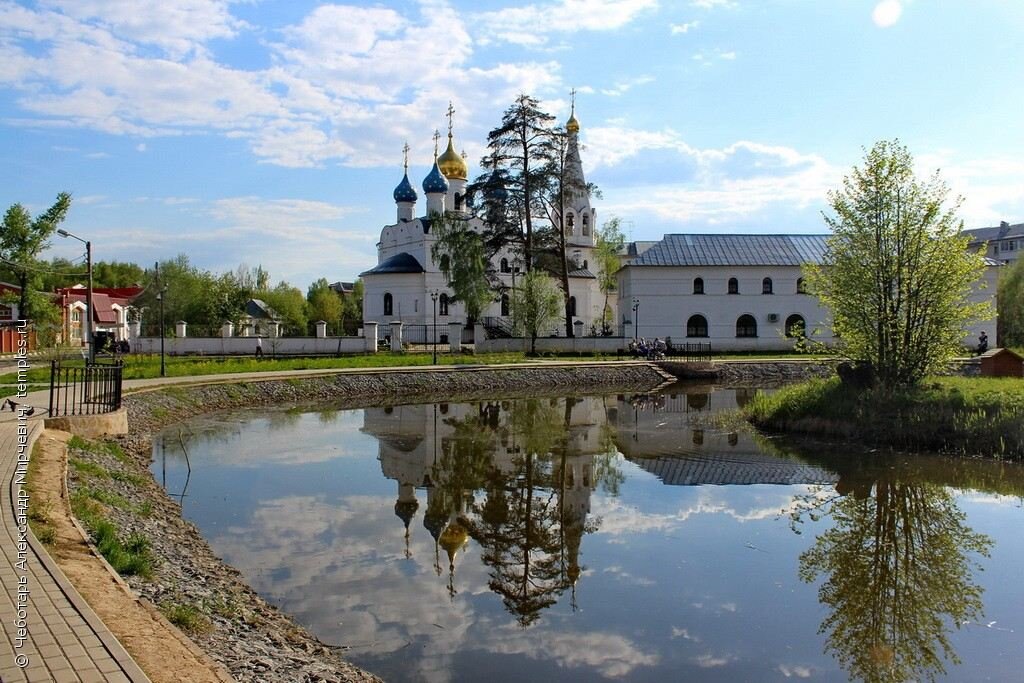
{"type": "Point", "coordinates": [66, 640]}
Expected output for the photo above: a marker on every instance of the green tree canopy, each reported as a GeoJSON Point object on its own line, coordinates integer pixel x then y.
{"type": "Point", "coordinates": [23, 238]}
{"type": "Point", "coordinates": [536, 303]}
{"type": "Point", "coordinates": [610, 243]}
{"type": "Point", "coordinates": [461, 253]}
{"type": "Point", "coordinates": [323, 303]}
{"type": "Point", "coordinates": [897, 273]}
{"type": "Point", "coordinates": [290, 304]}
{"type": "Point", "coordinates": [1011, 305]}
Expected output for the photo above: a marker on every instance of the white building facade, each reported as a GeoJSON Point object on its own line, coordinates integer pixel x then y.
{"type": "Point", "coordinates": [407, 285]}
{"type": "Point", "coordinates": [739, 292]}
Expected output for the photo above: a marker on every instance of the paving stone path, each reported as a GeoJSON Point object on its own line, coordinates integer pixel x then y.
{"type": "Point", "coordinates": [66, 641]}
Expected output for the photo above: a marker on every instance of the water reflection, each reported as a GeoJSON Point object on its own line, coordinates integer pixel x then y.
{"type": "Point", "coordinates": [620, 536]}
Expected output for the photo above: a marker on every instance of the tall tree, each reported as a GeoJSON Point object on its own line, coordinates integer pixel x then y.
{"type": "Point", "coordinates": [535, 305]}
{"type": "Point", "coordinates": [352, 309]}
{"type": "Point", "coordinates": [463, 258]}
{"type": "Point", "coordinates": [289, 303]}
{"type": "Point", "coordinates": [522, 147]}
{"type": "Point", "coordinates": [23, 238]}
{"type": "Point", "coordinates": [610, 243]}
{"type": "Point", "coordinates": [897, 274]}
{"type": "Point", "coordinates": [1011, 305]}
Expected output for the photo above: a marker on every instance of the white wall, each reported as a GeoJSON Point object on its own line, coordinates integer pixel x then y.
{"type": "Point", "coordinates": [667, 301]}
{"type": "Point", "coordinates": [554, 345]}
{"type": "Point", "coordinates": [243, 346]}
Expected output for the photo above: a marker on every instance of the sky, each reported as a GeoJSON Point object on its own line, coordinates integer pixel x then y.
{"type": "Point", "coordinates": [271, 131]}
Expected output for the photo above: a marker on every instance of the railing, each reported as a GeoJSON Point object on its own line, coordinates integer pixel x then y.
{"type": "Point", "coordinates": [698, 351]}
{"type": "Point", "coordinates": [92, 390]}
{"type": "Point", "coordinates": [499, 328]}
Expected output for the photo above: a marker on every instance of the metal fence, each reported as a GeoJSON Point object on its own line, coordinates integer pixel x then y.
{"type": "Point", "coordinates": [90, 390]}
{"type": "Point", "coordinates": [697, 351]}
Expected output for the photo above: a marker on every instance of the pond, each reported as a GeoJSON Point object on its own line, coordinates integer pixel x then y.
{"type": "Point", "coordinates": [640, 538]}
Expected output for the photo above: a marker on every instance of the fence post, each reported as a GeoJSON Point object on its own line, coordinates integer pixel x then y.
{"type": "Point", "coordinates": [53, 372]}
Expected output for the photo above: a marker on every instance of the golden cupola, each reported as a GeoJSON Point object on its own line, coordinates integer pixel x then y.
{"type": "Point", "coordinates": [451, 163]}
{"type": "Point", "coordinates": [573, 124]}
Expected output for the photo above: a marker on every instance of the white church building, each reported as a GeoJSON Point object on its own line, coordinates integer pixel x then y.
{"type": "Point", "coordinates": [404, 284]}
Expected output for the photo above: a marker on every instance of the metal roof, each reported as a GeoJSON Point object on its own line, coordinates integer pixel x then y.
{"type": "Point", "coordinates": [1005, 231]}
{"type": "Point", "coordinates": [399, 263]}
{"type": "Point", "coordinates": [733, 469]}
{"type": "Point", "coordinates": [734, 250]}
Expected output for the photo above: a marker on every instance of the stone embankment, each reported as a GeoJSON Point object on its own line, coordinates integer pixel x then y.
{"type": "Point", "coordinates": [228, 620]}
{"type": "Point", "coordinates": [752, 372]}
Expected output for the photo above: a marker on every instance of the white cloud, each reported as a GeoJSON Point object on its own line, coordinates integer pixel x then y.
{"type": "Point", "coordinates": [990, 186]}
{"type": "Point", "coordinates": [714, 4]}
{"type": "Point", "coordinates": [529, 25]}
{"type": "Point", "coordinates": [710, 661]}
{"type": "Point", "coordinates": [707, 58]}
{"type": "Point", "coordinates": [797, 671]}
{"type": "Point", "coordinates": [887, 13]}
{"type": "Point", "coordinates": [686, 27]}
{"type": "Point", "coordinates": [623, 87]}
{"type": "Point", "coordinates": [141, 147]}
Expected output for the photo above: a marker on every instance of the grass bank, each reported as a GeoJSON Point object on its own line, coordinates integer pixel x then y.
{"type": "Point", "coordinates": [956, 415]}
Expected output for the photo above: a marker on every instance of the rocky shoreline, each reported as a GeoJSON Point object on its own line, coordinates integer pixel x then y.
{"type": "Point", "coordinates": [227, 619]}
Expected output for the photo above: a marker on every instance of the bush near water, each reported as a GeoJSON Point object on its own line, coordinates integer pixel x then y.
{"type": "Point", "coordinates": [955, 415]}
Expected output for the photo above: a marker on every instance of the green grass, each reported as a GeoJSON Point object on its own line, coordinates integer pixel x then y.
{"type": "Point", "coordinates": [186, 617]}
{"type": "Point", "coordinates": [39, 519]}
{"type": "Point", "coordinates": [88, 468]}
{"type": "Point", "coordinates": [10, 389]}
{"type": "Point", "coordinates": [97, 447]}
{"type": "Point", "coordinates": [128, 556]}
{"type": "Point", "coordinates": [960, 415]}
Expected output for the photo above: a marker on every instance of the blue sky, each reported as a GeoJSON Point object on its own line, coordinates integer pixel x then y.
{"type": "Point", "coordinates": [270, 131]}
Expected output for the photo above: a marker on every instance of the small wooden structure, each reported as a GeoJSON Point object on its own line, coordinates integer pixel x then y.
{"type": "Point", "coordinates": [1001, 363]}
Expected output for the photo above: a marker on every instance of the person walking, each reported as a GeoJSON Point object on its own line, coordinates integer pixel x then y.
{"type": "Point", "coordinates": [982, 343]}
{"type": "Point", "coordinates": [259, 347]}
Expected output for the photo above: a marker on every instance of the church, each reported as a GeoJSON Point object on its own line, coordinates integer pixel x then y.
{"type": "Point", "coordinates": [407, 284]}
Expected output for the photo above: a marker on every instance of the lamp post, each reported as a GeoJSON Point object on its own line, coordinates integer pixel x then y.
{"type": "Point", "coordinates": [160, 298]}
{"type": "Point", "coordinates": [636, 318]}
{"type": "Point", "coordinates": [88, 293]}
{"type": "Point", "coordinates": [433, 297]}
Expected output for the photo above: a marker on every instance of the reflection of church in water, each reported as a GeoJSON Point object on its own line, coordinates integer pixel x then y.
{"type": "Point", "coordinates": [458, 453]}
{"type": "Point", "coordinates": [468, 457]}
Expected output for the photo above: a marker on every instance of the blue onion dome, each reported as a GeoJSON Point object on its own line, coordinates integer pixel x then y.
{"type": "Point", "coordinates": [495, 190]}
{"type": "Point", "coordinates": [405, 192]}
{"type": "Point", "coordinates": [435, 181]}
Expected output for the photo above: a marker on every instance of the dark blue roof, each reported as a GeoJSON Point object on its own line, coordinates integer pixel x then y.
{"type": "Point", "coordinates": [405, 192]}
{"type": "Point", "coordinates": [495, 188]}
{"type": "Point", "coordinates": [734, 250]}
{"type": "Point", "coordinates": [399, 263]}
{"type": "Point", "coordinates": [435, 181]}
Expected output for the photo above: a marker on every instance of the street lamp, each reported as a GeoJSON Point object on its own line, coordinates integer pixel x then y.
{"type": "Point", "coordinates": [636, 318]}
{"type": "Point", "coordinates": [433, 297]}
{"type": "Point", "coordinates": [88, 294]}
{"type": "Point", "coordinates": [160, 298]}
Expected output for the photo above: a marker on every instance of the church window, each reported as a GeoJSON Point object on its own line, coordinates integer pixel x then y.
{"type": "Point", "coordinates": [766, 286]}
{"type": "Point", "coordinates": [504, 304]}
{"type": "Point", "coordinates": [388, 303]}
{"type": "Point", "coordinates": [698, 437]}
{"type": "Point", "coordinates": [415, 305]}
{"type": "Point", "coordinates": [795, 326]}
{"type": "Point", "coordinates": [445, 263]}
{"type": "Point", "coordinates": [572, 306]}
{"type": "Point", "coordinates": [734, 286]}
{"type": "Point", "coordinates": [586, 226]}
{"type": "Point", "coordinates": [801, 288]}
{"type": "Point", "coordinates": [746, 326]}
{"type": "Point", "coordinates": [697, 326]}
{"type": "Point", "coordinates": [458, 201]}
{"type": "Point", "coordinates": [442, 305]}
{"type": "Point", "coordinates": [570, 224]}
{"type": "Point", "coordinates": [504, 266]}
{"type": "Point", "coordinates": [698, 285]}
{"type": "Point", "coordinates": [584, 264]}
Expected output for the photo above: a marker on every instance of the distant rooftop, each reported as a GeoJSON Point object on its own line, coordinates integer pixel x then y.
{"type": "Point", "coordinates": [1002, 231]}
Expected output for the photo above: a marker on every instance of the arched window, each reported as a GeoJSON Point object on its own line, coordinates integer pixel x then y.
{"type": "Point", "coordinates": [698, 285]}
{"type": "Point", "coordinates": [388, 303]}
{"type": "Point", "coordinates": [572, 306]}
{"type": "Point", "coordinates": [504, 266]}
{"type": "Point", "coordinates": [458, 201]}
{"type": "Point", "coordinates": [801, 288]}
{"type": "Point", "coordinates": [504, 304]}
{"type": "Point", "coordinates": [445, 263]}
{"type": "Point", "coordinates": [766, 286]}
{"type": "Point", "coordinates": [697, 326]}
{"type": "Point", "coordinates": [696, 402]}
{"type": "Point", "coordinates": [570, 224]}
{"type": "Point", "coordinates": [584, 264]}
{"type": "Point", "coordinates": [442, 305]}
{"type": "Point", "coordinates": [795, 326]}
{"type": "Point", "coordinates": [746, 326]}
{"type": "Point", "coordinates": [734, 286]}
{"type": "Point", "coordinates": [586, 225]}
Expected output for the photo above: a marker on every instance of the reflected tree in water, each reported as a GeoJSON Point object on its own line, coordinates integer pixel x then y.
{"type": "Point", "coordinates": [898, 576]}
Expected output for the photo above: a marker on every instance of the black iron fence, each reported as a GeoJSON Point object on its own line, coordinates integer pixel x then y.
{"type": "Point", "coordinates": [698, 351]}
{"type": "Point", "coordinates": [90, 390]}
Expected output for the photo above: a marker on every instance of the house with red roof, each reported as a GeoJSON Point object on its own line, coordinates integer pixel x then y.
{"type": "Point", "coordinates": [110, 311]}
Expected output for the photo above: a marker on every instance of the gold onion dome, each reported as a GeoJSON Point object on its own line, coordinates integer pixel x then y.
{"type": "Point", "coordinates": [572, 125]}
{"type": "Point", "coordinates": [451, 164]}
{"type": "Point", "coordinates": [453, 538]}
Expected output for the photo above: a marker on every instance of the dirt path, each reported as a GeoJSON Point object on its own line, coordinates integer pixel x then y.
{"type": "Point", "coordinates": [163, 652]}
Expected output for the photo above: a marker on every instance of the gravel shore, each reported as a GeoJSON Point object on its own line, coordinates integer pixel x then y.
{"type": "Point", "coordinates": [227, 619]}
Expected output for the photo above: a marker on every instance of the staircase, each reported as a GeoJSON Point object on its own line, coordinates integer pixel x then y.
{"type": "Point", "coordinates": [498, 328]}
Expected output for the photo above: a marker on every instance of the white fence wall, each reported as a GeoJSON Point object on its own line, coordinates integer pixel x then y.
{"type": "Point", "coordinates": [555, 345]}
{"type": "Point", "coordinates": [246, 346]}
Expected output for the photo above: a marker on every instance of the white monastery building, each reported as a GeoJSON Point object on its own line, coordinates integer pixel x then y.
{"type": "Point", "coordinates": [401, 287]}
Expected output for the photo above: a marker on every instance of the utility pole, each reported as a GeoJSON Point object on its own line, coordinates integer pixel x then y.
{"type": "Point", "coordinates": [160, 298]}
